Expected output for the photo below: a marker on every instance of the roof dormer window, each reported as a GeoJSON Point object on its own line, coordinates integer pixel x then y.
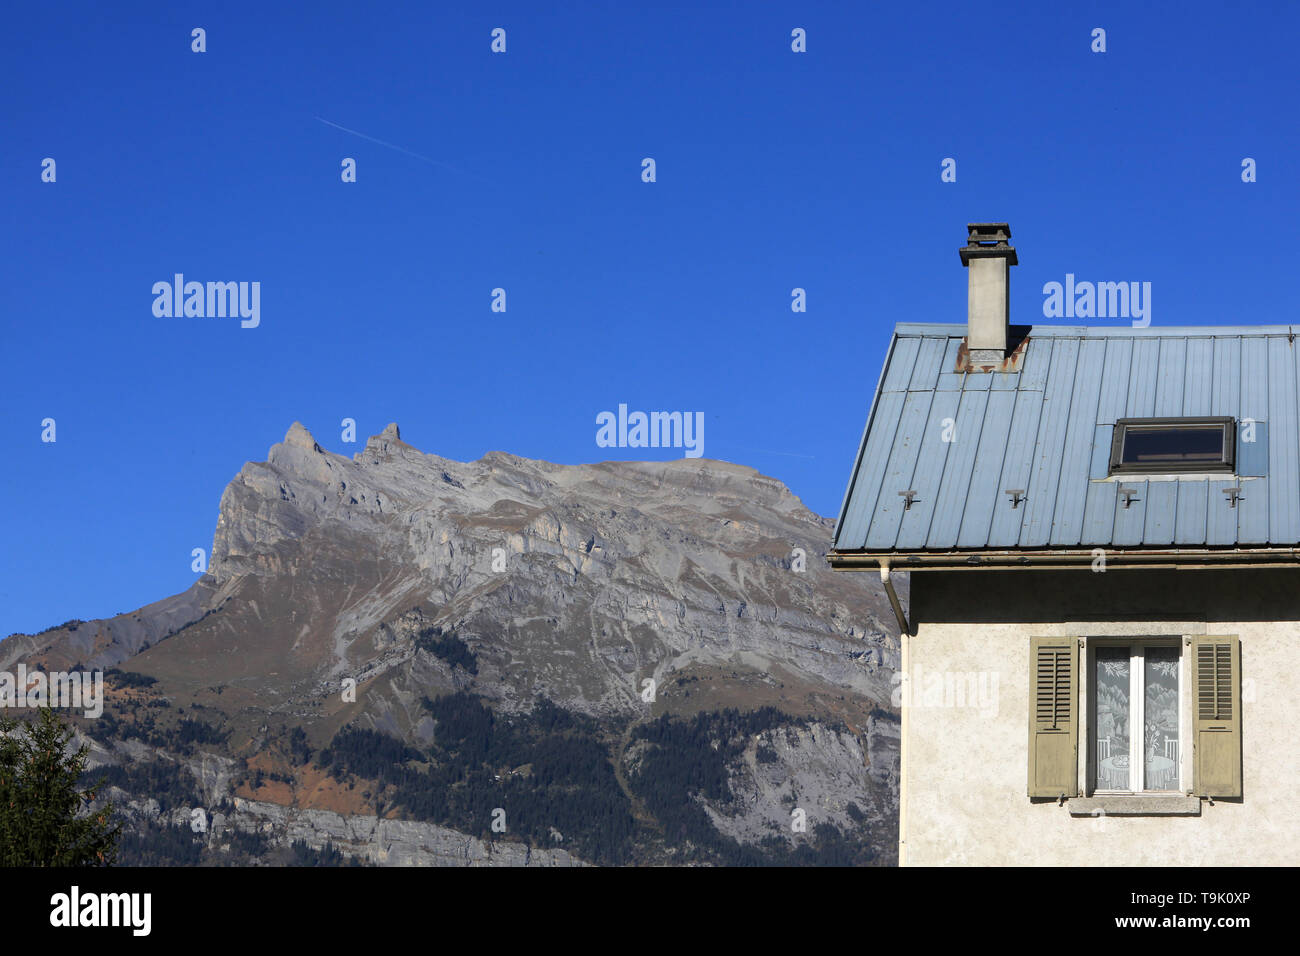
{"type": "Point", "coordinates": [1173, 445]}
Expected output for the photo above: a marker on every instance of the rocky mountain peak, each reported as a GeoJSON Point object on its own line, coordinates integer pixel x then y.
{"type": "Point", "coordinates": [298, 454]}
{"type": "Point", "coordinates": [386, 442]}
{"type": "Point", "coordinates": [664, 561]}
{"type": "Point", "coordinates": [300, 437]}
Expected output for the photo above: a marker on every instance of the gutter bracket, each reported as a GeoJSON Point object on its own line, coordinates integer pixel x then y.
{"type": "Point", "coordinates": [903, 626]}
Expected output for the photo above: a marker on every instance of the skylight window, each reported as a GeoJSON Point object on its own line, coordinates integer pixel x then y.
{"type": "Point", "coordinates": [1172, 445]}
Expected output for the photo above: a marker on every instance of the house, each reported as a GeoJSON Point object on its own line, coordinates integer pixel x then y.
{"type": "Point", "coordinates": [1101, 652]}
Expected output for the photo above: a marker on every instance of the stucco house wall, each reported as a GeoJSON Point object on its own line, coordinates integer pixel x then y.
{"type": "Point", "coordinates": [964, 791]}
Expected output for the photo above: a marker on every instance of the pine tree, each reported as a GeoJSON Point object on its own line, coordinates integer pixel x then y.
{"type": "Point", "coordinates": [39, 799]}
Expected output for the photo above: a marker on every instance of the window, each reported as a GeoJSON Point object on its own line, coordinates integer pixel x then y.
{"type": "Point", "coordinates": [1172, 445]}
{"type": "Point", "coordinates": [1141, 695]}
{"type": "Point", "coordinates": [1136, 715]}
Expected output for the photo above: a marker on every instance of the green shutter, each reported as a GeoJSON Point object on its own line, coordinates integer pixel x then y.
{"type": "Point", "coordinates": [1053, 717]}
{"type": "Point", "coordinates": [1216, 716]}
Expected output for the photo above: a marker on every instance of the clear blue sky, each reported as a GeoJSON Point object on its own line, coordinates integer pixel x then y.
{"type": "Point", "coordinates": [775, 170]}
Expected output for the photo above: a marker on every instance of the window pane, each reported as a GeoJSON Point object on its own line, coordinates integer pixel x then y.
{"type": "Point", "coordinates": [1161, 737]}
{"type": "Point", "coordinates": [1182, 444]}
{"type": "Point", "coordinates": [1112, 739]}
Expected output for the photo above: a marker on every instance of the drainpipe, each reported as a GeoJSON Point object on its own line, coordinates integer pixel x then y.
{"type": "Point", "coordinates": [893, 599]}
{"type": "Point", "coordinates": [905, 652]}
{"type": "Point", "coordinates": [905, 663]}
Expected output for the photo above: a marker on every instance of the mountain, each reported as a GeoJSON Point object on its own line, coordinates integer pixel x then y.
{"type": "Point", "coordinates": [410, 659]}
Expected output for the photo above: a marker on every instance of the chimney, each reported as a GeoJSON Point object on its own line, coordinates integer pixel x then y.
{"type": "Point", "coordinates": [989, 257]}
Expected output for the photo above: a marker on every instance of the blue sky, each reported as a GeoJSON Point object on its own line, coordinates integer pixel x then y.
{"type": "Point", "coordinates": [775, 170]}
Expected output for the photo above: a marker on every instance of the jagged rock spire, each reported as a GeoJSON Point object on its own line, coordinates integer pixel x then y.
{"type": "Point", "coordinates": [299, 436]}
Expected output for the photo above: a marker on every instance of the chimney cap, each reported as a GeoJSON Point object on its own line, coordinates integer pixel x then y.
{"type": "Point", "coordinates": [988, 240]}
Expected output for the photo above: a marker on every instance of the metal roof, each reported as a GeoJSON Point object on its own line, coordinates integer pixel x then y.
{"type": "Point", "coordinates": [1046, 429]}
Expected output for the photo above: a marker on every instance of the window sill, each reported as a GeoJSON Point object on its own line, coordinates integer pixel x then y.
{"type": "Point", "coordinates": [1137, 805]}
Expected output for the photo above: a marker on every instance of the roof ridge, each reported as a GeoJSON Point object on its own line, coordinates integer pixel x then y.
{"type": "Point", "coordinates": [958, 330]}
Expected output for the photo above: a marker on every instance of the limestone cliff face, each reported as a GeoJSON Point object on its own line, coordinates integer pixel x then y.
{"type": "Point", "coordinates": [823, 771]}
{"type": "Point", "coordinates": [368, 838]}
{"type": "Point", "coordinates": [573, 582]}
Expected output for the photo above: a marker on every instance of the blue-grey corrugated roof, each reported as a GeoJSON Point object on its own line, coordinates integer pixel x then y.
{"type": "Point", "coordinates": [1047, 429]}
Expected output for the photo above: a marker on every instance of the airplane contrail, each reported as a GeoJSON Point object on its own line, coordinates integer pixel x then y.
{"type": "Point", "coordinates": [400, 149]}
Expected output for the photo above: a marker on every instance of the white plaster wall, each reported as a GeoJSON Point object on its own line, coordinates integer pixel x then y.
{"type": "Point", "coordinates": [965, 802]}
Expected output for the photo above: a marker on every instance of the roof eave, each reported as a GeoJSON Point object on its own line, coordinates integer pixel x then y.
{"type": "Point", "coordinates": [1066, 559]}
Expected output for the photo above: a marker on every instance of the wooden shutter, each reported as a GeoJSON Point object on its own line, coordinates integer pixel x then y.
{"type": "Point", "coordinates": [1053, 717]}
{"type": "Point", "coordinates": [1216, 716]}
